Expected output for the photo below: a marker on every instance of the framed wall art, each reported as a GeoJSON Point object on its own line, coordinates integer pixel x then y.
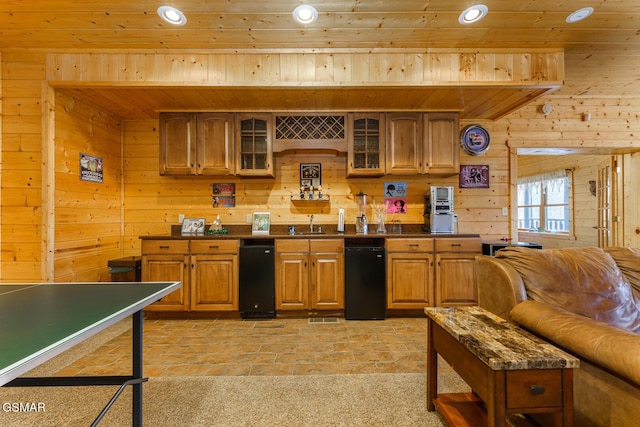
{"type": "Point", "coordinates": [474, 176]}
{"type": "Point", "coordinates": [310, 175]}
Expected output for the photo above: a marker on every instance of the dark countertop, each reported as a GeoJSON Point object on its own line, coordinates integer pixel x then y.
{"type": "Point", "coordinates": [328, 231]}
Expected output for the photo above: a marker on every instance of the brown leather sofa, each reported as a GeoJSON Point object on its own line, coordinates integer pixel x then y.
{"type": "Point", "coordinates": [585, 301]}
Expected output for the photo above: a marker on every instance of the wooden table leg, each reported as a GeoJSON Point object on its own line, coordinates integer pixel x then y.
{"type": "Point", "coordinates": [497, 403]}
{"type": "Point", "coordinates": [432, 369]}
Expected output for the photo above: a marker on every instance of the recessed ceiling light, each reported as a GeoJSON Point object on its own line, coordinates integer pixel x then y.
{"type": "Point", "coordinates": [473, 14]}
{"type": "Point", "coordinates": [579, 15]}
{"type": "Point", "coordinates": [305, 14]}
{"type": "Point", "coordinates": [172, 15]}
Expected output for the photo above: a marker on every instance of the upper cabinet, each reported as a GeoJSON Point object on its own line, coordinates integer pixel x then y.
{"type": "Point", "coordinates": [177, 144]}
{"type": "Point", "coordinates": [254, 133]}
{"type": "Point", "coordinates": [404, 143]}
{"type": "Point", "coordinates": [196, 144]}
{"type": "Point", "coordinates": [422, 143]}
{"type": "Point", "coordinates": [366, 148]}
{"type": "Point", "coordinates": [442, 148]}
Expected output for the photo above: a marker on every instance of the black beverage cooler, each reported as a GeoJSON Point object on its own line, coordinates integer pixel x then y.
{"type": "Point", "coordinates": [257, 279]}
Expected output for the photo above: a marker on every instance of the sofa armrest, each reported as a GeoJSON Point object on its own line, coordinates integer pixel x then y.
{"type": "Point", "coordinates": [499, 286]}
{"type": "Point", "coordinates": [612, 348]}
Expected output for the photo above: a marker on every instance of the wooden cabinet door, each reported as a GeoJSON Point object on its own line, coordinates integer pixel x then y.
{"type": "Point", "coordinates": [215, 144]}
{"type": "Point", "coordinates": [214, 282]}
{"type": "Point", "coordinates": [327, 281]}
{"type": "Point", "coordinates": [292, 281]}
{"type": "Point", "coordinates": [254, 145]}
{"type": "Point", "coordinates": [404, 143]}
{"type": "Point", "coordinates": [366, 144]}
{"type": "Point", "coordinates": [177, 143]}
{"type": "Point", "coordinates": [455, 280]}
{"type": "Point", "coordinates": [168, 268]}
{"type": "Point", "coordinates": [442, 147]}
{"type": "Point", "coordinates": [409, 280]}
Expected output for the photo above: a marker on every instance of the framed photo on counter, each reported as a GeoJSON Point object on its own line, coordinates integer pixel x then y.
{"type": "Point", "coordinates": [261, 223]}
{"type": "Point", "coordinates": [193, 226]}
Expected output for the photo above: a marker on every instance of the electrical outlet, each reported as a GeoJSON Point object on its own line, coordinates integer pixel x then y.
{"type": "Point", "coordinates": [181, 218]}
{"type": "Point", "coordinates": [505, 211]}
{"type": "Point", "coordinates": [248, 218]}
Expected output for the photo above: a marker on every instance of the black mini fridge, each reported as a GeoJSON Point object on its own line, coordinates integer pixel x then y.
{"type": "Point", "coordinates": [257, 298]}
{"type": "Point", "coordinates": [365, 296]}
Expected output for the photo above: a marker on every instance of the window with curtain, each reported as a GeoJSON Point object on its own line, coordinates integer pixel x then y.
{"type": "Point", "coordinates": [543, 202]}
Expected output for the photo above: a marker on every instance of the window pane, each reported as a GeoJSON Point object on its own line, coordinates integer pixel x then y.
{"type": "Point", "coordinates": [529, 218]}
{"type": "Point", "coordinates": [557, 219]}
{"type": "Point", "coordinates": [557, 192]}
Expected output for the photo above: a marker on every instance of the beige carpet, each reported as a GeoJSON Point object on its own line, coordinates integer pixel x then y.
{"type": "Point", "coordinates": [327, 400]}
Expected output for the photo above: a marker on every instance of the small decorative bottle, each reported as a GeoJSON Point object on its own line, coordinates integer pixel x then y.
{"type": "Point", "coordinates": [311, 192]}
{"type": "Point", "coordinates": [301, 193]}
{"type": "Point", "coordinates": [319, 192]}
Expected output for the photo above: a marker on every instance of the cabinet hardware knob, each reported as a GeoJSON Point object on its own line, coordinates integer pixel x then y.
{"type": "Point", "coordinates": [164, 247]}
{"type": "Point", "coordinates": [455, 244]}
{"type": "Point", "coordinates": [536, 389]}
{"type": "Point", "coordinates": [414, 245]}
{"type": "Point", "coordinates": [213, 247]}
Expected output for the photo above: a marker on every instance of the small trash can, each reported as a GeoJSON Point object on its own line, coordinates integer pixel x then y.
{"type": "Point", "coordinates": [127, 269]}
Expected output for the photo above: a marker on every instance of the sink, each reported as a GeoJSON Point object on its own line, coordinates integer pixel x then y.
{"type": "Point", "coordinates": [309, 233]}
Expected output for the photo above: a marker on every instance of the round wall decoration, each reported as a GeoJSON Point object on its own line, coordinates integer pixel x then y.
{"type": "Point", "coordinates": [474, 140]}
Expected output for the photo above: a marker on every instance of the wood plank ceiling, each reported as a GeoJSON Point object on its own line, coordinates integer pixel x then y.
{"type": "Point", "coordinates": [602, 53]}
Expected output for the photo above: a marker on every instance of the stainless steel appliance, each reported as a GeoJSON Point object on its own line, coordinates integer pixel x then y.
{"type": "Point", "coordinates": [438, 210]}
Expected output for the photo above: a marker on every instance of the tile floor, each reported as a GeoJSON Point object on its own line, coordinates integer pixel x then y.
{"type": "Point", "coordinates": [265, 347]}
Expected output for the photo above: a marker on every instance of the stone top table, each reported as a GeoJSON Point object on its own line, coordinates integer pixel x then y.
{"type": "Point", "coordinates": [509, 370]}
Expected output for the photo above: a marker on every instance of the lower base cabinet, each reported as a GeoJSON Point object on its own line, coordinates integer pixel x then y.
{"type": "Point", "coordinates": [436, 272]}
{"type": "Point", "coordinates": [309, 274]}
{"type": "Point", "coordinates": [167, 261]}
{"type": "Point", "coordinates": [208, 271]}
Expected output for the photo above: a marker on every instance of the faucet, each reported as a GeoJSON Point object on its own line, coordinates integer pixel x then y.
{"type": "Point", "coordinates": [311, 224]}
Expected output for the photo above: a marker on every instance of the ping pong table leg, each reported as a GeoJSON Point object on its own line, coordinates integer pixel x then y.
{"type": "Point", "coordinates": [137, 368]}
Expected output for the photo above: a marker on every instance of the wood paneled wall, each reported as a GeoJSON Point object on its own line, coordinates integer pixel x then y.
{"type": "Point", "coordinates": [88, 216]}
{"type": "Point", "coordinates": [21, 197]}
{"type": "Point", "coordinates": [153, 202]}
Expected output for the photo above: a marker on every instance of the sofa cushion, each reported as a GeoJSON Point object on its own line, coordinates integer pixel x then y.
{"type": "Point", "coordinates": [603, 344]}
{"type": "Point", "coordinates": [628, 261]}
{"type": "Point", "coordinates": [584, 281]}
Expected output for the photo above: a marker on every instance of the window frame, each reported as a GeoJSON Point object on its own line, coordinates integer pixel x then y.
{"type": "Point", "coordinates": [543, 181]}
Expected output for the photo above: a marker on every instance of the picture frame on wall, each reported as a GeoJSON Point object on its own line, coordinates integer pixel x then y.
{"type": "Point", "coordinates": [474, 176]}
{"type": "Point", "coordinates": [310, 175]}
{"type": "Point", "coordinates": [193, 226]}
{"type": "Point", "coordinates": [261, 223]}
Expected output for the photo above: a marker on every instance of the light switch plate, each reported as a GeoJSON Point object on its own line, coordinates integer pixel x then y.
{"type": "Point", "coordinates": [248, 218]}
{"type": "Point", "coordinates": [505, 211]}
{"type": "Point", "coordinates": [181, 218]}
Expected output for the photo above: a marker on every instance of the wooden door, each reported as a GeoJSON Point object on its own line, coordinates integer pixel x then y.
{"type": "Point", "coordinates": [168, 268]}
{"type": "Point", "coordinates": [177, 143]}
{"type": "Point", "coordinates": [327, 281]}
{"type": "Point", "coordinates": [608, 186]}
{"type": "Point", "coordinates": [292, 281]}
{"type": "Point", "coordinates": [455, 280]}
{"type": "Point", "coordinates": [442, 149]}
{"type": "Point", "coordinates": [215, 144]}
{"type": "Point", "coordinates": [409, 280]}
{"type": "Point", "coordinates": [214, 282]}
{"type": "Point", "coordinates": [404, 143]}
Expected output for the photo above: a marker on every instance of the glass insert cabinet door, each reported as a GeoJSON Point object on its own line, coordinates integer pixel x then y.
{"type": "Point", "coordinates": [255, 147]}
{"type": "Point", "coordinates": [366, 149]}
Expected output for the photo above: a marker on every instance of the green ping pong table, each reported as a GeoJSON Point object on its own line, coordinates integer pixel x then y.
{"type": "Point", "coordinates": [41, 320]}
